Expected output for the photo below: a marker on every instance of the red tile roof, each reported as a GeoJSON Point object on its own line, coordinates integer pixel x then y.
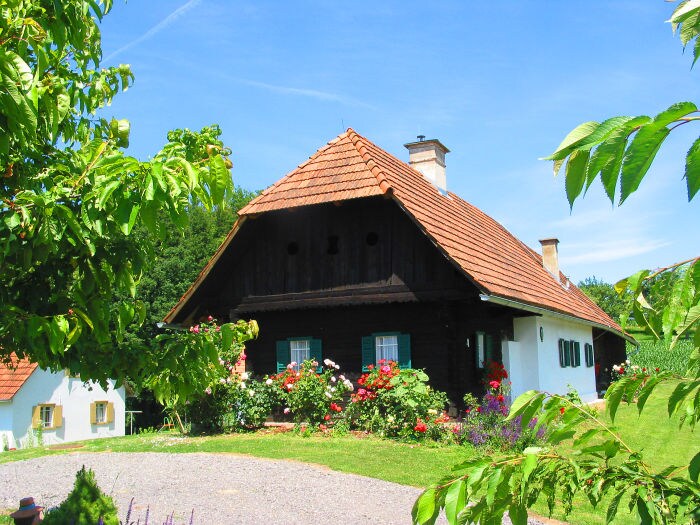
{"type": "Point", "coordinates": [12, 378]}
{"type": "Point", "coordinates": [501, 266]}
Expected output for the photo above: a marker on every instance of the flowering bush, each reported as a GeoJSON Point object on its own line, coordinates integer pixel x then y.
{"type": "Point", "coordinates": [238, 403]}
{"type": "Point", "coordinates": [485, 422]}
{"type": "Point", "coordinates": [308, 395]}
{"type": "Point", "coordinates": [627, 369]}
{"type": "Point", "coordinates": [396, 403]}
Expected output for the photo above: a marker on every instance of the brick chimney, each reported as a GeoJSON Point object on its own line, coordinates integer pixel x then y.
{"type": "Point", "coordinates": [550, 256]}
{"type": "Point", "coordinates": [428, 157]}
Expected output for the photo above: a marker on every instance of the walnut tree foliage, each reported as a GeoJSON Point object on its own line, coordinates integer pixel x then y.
{"type": "Point", "coordinates": [603, 468]}
{"type": "Point", "coordinates": [71, 199]}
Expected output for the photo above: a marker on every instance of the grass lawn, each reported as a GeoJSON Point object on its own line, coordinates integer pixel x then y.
{"type": "Point", "coordinates": [417, 465]}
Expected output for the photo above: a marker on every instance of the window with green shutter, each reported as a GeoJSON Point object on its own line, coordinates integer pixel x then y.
{"type": "Point", "coordinates": [565, 353]}
{"type": "Point", "coordinates": [298, 350]}
{"type": "Point", "coordinates": [388, 346]}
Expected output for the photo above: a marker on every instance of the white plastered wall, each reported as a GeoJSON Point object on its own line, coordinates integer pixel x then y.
{"type": "Point", "coordinates": [45, 387]}
{"type": "Point", "coordinates": [534, 364]}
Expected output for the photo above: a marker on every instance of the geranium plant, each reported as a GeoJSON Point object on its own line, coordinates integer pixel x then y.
{"type": "Point", "coordinates": [311, 396]}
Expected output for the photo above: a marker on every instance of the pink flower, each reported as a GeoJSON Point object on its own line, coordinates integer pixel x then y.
{"type": "Point", "coordinates": [243, 357]}
{"type": "Point", "coordinates": [327, 417]}
{"type": "Point", "coordinates": [195, 329]}
{"type": "Point", "coordinates": [385, 369]}
{"type": "Point", "coordinates": [361, 392]}
{"type": "Point", "coordinates": [494, 384]}
{"type": "Point", "coordinates": [287, 410]}
{"type": "Point", "coordinates": [210, 318]}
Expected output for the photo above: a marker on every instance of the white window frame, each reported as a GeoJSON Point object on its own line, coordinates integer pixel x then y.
{"type": "Point", "coordinates": [480, 349]}
{"type": "Point", "coordinates": [46, 413]}
{"type": "Point", "coordinates": [386, 347]}
{"type": "Point", "coordinates": [299, 351]}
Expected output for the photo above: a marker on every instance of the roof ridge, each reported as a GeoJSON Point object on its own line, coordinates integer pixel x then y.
{"type": "Point", "coordinates": [382, 179]}
{"type": "Point", "coordinates": [269, 189]}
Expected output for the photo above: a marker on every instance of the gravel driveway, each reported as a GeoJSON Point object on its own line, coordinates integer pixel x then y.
{"type": "Point", "coordinates": [221, 488]}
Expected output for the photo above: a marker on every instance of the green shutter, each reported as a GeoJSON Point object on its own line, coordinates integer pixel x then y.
{"type": "Point", "coordinates": [567, 353]}
{"type": "Point", "coordinates": [576, 353]}
{"type": "Point", "coordinates": [588, 351]}
{"type": "Point", "coordinates": [315, 352]}
{"type": "Point", "coordinates": [283, 356]}
{"type": "Point", "coordinates": [404, 350]}
{"type": "Point", "coordinates": [369, 352]}
{"type": "Point", "coordinates": [488, 350]}
{"type": "Point", "coordinates": [562, 352]}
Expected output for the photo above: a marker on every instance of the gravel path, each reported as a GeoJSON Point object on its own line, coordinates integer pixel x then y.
{"type": "Point", "coordinates": [221, 488]}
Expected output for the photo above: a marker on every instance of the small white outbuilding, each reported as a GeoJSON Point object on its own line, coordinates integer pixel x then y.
{"type": "Point", "coordinates": [38, 406]}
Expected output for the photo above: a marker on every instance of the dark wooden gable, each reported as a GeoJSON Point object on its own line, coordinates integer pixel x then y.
{"type": "Point", "coordinates": [362, 251]}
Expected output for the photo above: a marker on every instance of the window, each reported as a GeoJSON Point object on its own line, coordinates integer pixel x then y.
{"type": "Point", "coordinates": [47, 416]}
{"type": "Point", "coordinates": [390, 346]}
{"type": "Point", "coordinates": [569, 353]}
{"type": "Point", "coordinates": [101, 413]}
{"type": "Point", "coordinates": [298, 349]}
{"type": "Point", "coordinates": [387, 347]}
{"type": "Point", "coordinates": [484, 349]}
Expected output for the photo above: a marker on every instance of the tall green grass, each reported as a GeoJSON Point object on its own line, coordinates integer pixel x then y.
{"type": "Point", "coordinates": [656, 354]}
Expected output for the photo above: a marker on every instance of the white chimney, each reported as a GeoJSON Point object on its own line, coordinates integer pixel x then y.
{"type": "Point", "coordinates": [428, 157]}
{"type": "Point", "coordinates": [550, 256]}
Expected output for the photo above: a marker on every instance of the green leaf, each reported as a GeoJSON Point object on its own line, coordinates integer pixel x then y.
{"type": "Point", "coordinates": [646, 391]}
{"type": "Point", "coordinates": [694, 468]}
{"type": "Point", "coordinates": [613, 396]}
{"type": "Point", "coordinates": [692, 169]}
{"type": "Point", "coordinates": [424, 510]}
{"type": "Point", "coordinates": [106, 193]}
{"type": "Point", "coordinates": [612, 508]}
{"type": "Point", "coordinates": [517, 514]}
{"type": "Point", "coordinates": [638, 158]}
{"type": "Point", "coordinates": [574, 138]}
{"type": "Point", "coordinates": [521, 403]}
{"type": "Point", "coordinates": [455, 500]}
{"type": "Point", "coordinates": [495, 476]}
{"type": "Point", "coordinates": [576, 174]}
{"type": "Point", "coordinates": [220, 179]}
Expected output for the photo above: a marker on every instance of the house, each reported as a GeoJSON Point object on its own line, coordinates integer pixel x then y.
{"type": "Point", "coordinates": [39, 406]}
{"type": "Point", "coordinates": [357, 256]}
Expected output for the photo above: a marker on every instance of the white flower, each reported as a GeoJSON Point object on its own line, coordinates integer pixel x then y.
{"type": "Point", "coordinates": [333, 379]}
{"type": "Point", "coordinates": [290, 366]}
{"type": "Point", "coordinates": [268, 382]}
{"type": "Point", "coordinates": [244, 376]}
{"type": "Point", "coordinates": [432, 411]}
{"type": "Point", "coordinates": [229, 380]}
{"type": "Point", "coordinates": [290, 386]}
{"type": "Point", "coordinates": [222, 381]}
{"type": "Point", "coordinates": [616, 368]}
{"type": "Point", "coordinates": [329, 395]}
{"type": "Point", "coordinates": [333, 389]}
{"type": "Point", "coordinates": [208, 390]}
{"type": "Point", "coordinates": [328, 362]}
{"type": "Point", "coordinates": [342, 377]}
{"type": "Point", "coordinates": [337, 367]}
{"type": "Point", "coordinates": [391, 419]}
{"type": "Point", "coordinates": [627, 362]}
{"type": "Point", "coordinates": [221, 362]}
{"type": "Point", "coordinates": [287, 410]}
{"type": "Point", "coordinates": [243, 386]}
{"type": "Point", "coordinates": [251, 393]}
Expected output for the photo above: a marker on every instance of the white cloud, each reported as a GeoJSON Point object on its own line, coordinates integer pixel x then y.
{"type": "Point", "coordinates": [612, 251]}
{"type": "Point", "coordinates": [172, 17]}
{"type": "Point", "coordinates": [303, 92]}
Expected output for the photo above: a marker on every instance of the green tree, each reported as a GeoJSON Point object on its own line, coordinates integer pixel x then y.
{"type": "Point", "coordinates": [70, 198]}
{"type": "Point", "coordinates": [619, 151]}
{"type": "Point", "coordinates": [604, 295]}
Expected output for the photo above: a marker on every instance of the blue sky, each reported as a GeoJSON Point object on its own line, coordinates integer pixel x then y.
{"type": "Point", "coordinates": [499, 83]}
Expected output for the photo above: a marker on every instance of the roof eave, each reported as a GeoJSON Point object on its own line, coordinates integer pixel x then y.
{"type": "Point", "coordinates": [542, 311]}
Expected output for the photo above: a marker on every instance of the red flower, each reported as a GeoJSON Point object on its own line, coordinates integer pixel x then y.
{"type": "Point", "coordinates": [420, 426]}
{"type": "Point", "coordinates": [562, 410]}
{"type": "Point", "coordinates": [336, 408]}
{"type": "Point", "coordinates": [622, 370]}
{"type": "Point", "coordinates": [656, 369]}
{"type": "Point", "coordinates": [478, 409]}
{"type": "Point", "coordinates": [494, 384]}
{"type": "Point", "coordinates": [500, 398]}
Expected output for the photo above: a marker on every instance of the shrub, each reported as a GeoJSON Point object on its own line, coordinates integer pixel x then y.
{"type": "Point", "coordinates": [397, 403]}
{"type": "Point", "coordinates": [485, 423]}
{"type": "Point", "coordinates": [85, 505]}
{"type": "Point", "coordinates": [309, 395]}
{"type": "Point", "coordinates": [236, 404]}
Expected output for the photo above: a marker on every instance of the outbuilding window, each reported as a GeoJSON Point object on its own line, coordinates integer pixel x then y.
{"type": "Point", "coordinates": [297, 350]}
{"type": "Point", "coordinates": [47, 416]}
{"type": "Point", "coordinates": [101, 413]}
{"type": "Point", "coordinates": [387, 346]}
{"type": "Point", "coordinates": [569, 353]}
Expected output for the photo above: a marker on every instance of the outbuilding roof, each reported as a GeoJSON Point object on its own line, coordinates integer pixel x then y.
{"type": "Point", "coordinates": [501, 266]}
{"type": "Point", "coordinates": [13, 377]}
